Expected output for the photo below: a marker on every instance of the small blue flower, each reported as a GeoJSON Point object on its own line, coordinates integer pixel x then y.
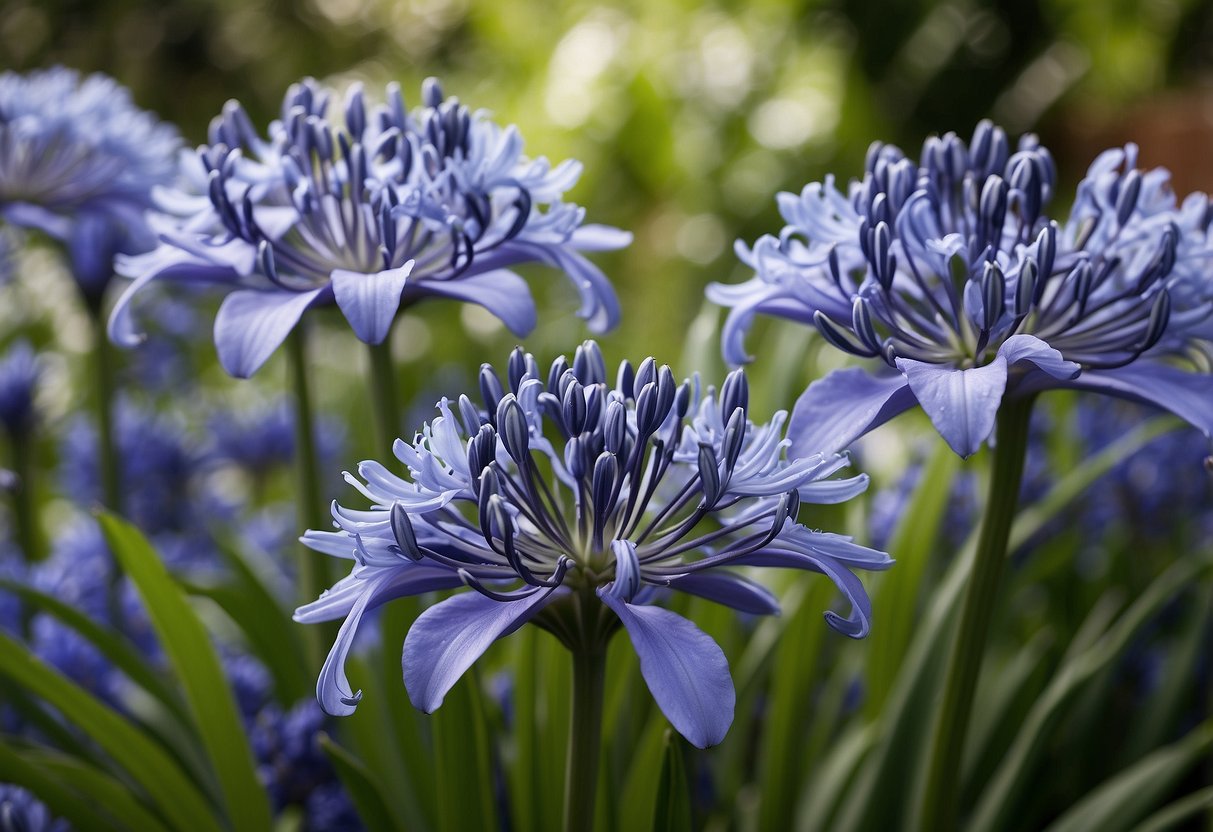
{"type": "Point", "coordinates": [368, 209]}
{"type": "Point", "coordinates": [19, 371]}
{"type": "Point", "coordinates": [20, 811]}
{"type": "Point", "coordinates": [78, 162]}
{"type": "Point", "coordinates": [950, 272]}
{"type": "Point", "coordinates": [571, 498]}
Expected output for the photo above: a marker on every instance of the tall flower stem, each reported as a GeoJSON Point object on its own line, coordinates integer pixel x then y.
{"type": "Point", "coordinates": [940, 801]}
{"type": "Point", "coordinates": [313, 566]}
{"type": "Point", "coordinates": [383, 395]}
{"type": "Point", "coordinates": [103, 404]}
{"type": "Point", "coordinates": [585, 738]}
{"type": "Point", "coordinates": [25, 510]}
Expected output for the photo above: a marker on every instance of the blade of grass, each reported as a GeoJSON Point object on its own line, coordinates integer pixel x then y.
{"type": "Point", "coordinates": [672, 812]}
{"type": "Point", "coordinates": [363, 787]}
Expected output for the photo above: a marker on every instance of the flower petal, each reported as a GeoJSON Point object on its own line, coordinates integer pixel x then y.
{"type": "Point", "coordinates": [448, 637]}
{"type": "Point", "coordinates": [1031, 350]}
{"type": "Point", "coordinates": [251, 324]}
{"type": "Point", "coordinates": [370, 301]}
{"type": "Point", "coordinates": [859, 621]}
{"type": "Point", "coordinates": [1189, 395]}
{"type": "Point", "coordinates": [686, 670]}
{"type": "Point", "coordinates": [962, 404]}
{"type": "Point", "coordinates": [838, 409]}
{"type": "Point", "coordinates": [595, 237]}
{"type": "Point", "coordinates": [500, 291]}
{"type": "Point", "coordinates": [730, 589]}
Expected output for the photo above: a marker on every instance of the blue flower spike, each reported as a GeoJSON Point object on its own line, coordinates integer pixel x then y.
{"type": "Point", "coordinates": [370, 209]}
{"type": "Point", "coordinates": [949, 272]}
{"type": "Point", "coordinates": [577, 503]}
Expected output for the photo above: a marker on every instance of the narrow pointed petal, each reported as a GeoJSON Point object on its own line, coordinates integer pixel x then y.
{"type": "Point", "coordinates": [838, 409]}
{"type": "Point", "coordinates": [370, 301]}
{"type": "Point", "coordinates": [500, 291]}
{"type": "Point", "coordinates": [859, 621]}
{"type": "Point", "coordinates": [448, 637]}
{"type": "Point", "coordinates": [1189, 395]}
{"type": "Point", "coordinates": [729, 589]}
{"type": "Point", "coordinates": [1029, 349]}
{"type": "Point", "coordinates": [686, 671]}
{"type": "Point", "coordinates": [595, 237]}
{"type": "Point", "coordinates": [962, 404]}
{"type": "Point", "coordinates": [251, 324]}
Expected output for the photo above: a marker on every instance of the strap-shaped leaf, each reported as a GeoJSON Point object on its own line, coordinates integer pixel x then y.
{"type": "Point", "coordinates": [363, 787]}
{"type": "Point", "coordinates": [196, 665]}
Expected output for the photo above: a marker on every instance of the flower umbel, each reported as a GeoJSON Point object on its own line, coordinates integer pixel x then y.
{"type": "Point", "coordinates": [368, 208]}
{"type": "Point", "coordinates": [949, 270]}
{"type": "Point", "coordinates": [575, 503]}
{"type": "Point", "coordinates": [78, 161]}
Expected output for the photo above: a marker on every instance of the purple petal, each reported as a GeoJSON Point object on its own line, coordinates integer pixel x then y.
{"type": "Point", "coordinates": [251, 324]}
{"type": "Point", "coordinates": [448, 637]}
{"type": "Point", "coordinates": [500, 291]}
{"type": "Point", "coordinates": [729, 589]}
{"type": "Point", "coordinates": [686, 671]}
{"type": "Point", "coordinates": [858, 622]}
{"type": "Point", "coordinates": [1031, 350]}
{"type": "Point", "coordinates": [333, 690]}
{"type": "Point", "coordinates": [1187, 394]}
{"type": "Point", "coordinates": [594, 237]}
{"type": "Point", "coordinates": [838, 409]}
{"type": "Point", "coordinates": [962, 404]}
{"type": "Point", "coordinates": [370, 301]}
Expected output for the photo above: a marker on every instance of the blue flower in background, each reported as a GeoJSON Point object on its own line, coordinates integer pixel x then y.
{"type": "Point", "coordinates": [368, 209]}
{"type": "Point", "coordinates": [18, 379]}
{"type": "Point", "coordinates": [950, 272]}
{"type": "Point", "coordinates": [20, 811]}
{"type": "Point", "coordinates": [78, 162]}
{"type": "Point", "coordinates": [570, 495]}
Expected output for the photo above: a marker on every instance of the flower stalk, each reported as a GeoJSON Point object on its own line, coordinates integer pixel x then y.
{"type": "Point", "coordinates": [312, 569]}
{"type": "Point", "coordinates": [939, 806]}
{"type": "Point", "coordinates": [585, 738]}
{"type": "Point", "coordinates": [383, 395]}
{"type": "Point", "coordinates": [25, 511]}
{"type": "Point", "coordinates": [103, 404]}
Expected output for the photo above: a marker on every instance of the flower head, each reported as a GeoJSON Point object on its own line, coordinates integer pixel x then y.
{"type": "Point", "coordinates": [950, 272]}
{"type": "Point", "coordinates": [78, 161]}
{"type": "Point", "coordinates": [577, 501]}
{"type": "Point", "coordinates": [368, 208]}
{"type": "Point", "coordinates": [21, 811]}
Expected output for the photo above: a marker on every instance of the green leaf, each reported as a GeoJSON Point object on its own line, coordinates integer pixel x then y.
{"type": "Point", "coordinates": [196, 665]}
{"type": "Point", "coordinates": [115, 648]}
{"type": "Point", "coordinates": [1180, 812]}
{"type": "Point", "coordinates": [672, 812]}
{"type": "Point", "coordinates": [461, 751]}
{"type": "Point", "coordinates": [1125, 798]}
{"type": "Point", "coordinates": [999, 806]}
{"type": "Point", "coordinates": [152, 768]}
{"type": "Point", "coordinates": [98, 788]}
{"type": "Point", "coordinates": [363, 787]}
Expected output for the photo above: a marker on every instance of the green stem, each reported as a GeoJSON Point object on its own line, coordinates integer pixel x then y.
{"type": "Point", "coordinates": [940, 801]}
{"type": "Point", "coordinates": [383, 396]}
{"type": "Point", "coordinates": [585, 739]}
{"type": "Point", "coordinates": [25, 509]}
{"type": "Point", "coordinates": [103, 403]}
{"type": "Point", "coordinates": [309, 505]}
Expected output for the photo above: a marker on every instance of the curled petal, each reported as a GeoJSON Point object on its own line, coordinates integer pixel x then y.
{"type": "Point", "coordinates": [252, 323]}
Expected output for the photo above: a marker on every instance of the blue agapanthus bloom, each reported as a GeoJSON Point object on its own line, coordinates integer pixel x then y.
{"type": "Point", "coordinates": [21, 811]}
{"type": "Point", "coordinates": [78, 161]}
{"type": "Point", "coordinates": [368, 208]}
{"type": "Point", "coordinates": [19, 371]}
{"type": "Point", "coordinates": [575, 502]}
{"type": "Point", "coordinates": [951, 273]}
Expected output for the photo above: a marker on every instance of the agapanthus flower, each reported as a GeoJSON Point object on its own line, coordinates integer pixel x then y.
{"type": "Point", "coordinates": [78, 162]}
{"type": "Point", "coordinates": [576, 502]}
{"type": "Point", "coordinates": [950, 272]}
{"type": "Point", "coordinates": [368, 208]}
{"type": "Point", "coordinates": [21, 811]}
{"type": "Point", "coordinates": [19, 371]}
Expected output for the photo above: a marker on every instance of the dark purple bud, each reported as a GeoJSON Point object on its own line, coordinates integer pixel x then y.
{"type": "Point", "coordinates": [837, 337]}
{"type": "Point", "coordinates": [576, 457]}
{"type": "Point", "coordinates": [513, 429]}
{"type": "Point", "coordinates": [573, 408]}
{"type": "Point", "coordinates": [646, 373]}
{"type": "Point", "coordinates": [625, 379]}
{"type": "Point", "coordinates": [709, 475]}
{"type": "Point", "coordinates": [1126, 200]}
{"type": "Point", "coordinates": [861, 322]}
{"type": "Point", "coordinates": [1160, 316]}
{"type": "Point", "coordinates": [593, 407]}
{"type": "Point", "coordinates": [559, 367]}
{"type": "Point", "coordinates": [993, 295]}
{"type": "Point", "coordinates": [431, 92]}
{"type": "Point", "coordinates": [588, 364]}
{"type": "Point", "coordinates": [402, 530]}
{"type": "Point", "coordinates": [734, 438]}
{"type": "Point", "coordinates": [490, 387]}
{"type": "Point", "coordinates": [516, 368]}
{"type": "Point", "coordinates": [616, 428]}
{"type": "Point", "coordinates": [735, 393]}
{"type": "Point", "coordinates": [1025, 288]}
{"type": "Point", "coordinates": [606, 468]}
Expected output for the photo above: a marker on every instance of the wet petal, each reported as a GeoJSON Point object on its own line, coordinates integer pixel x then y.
{"type": "Point", "coordinates": [962, 404]}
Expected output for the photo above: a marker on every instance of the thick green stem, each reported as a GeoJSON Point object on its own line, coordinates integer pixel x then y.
{"type": "Point", "coordinates": [25, 508]}
{"type": "Point", "coordinates": [103, 404]}
{"type": "Point", "coordinates": [383, 396]}
{"type": "Point", "coordinates": [309, 505]}
{"type": "Point", "coordinates": [940, 800]}
{"type": "Point", "coordinates": [585, 738]}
